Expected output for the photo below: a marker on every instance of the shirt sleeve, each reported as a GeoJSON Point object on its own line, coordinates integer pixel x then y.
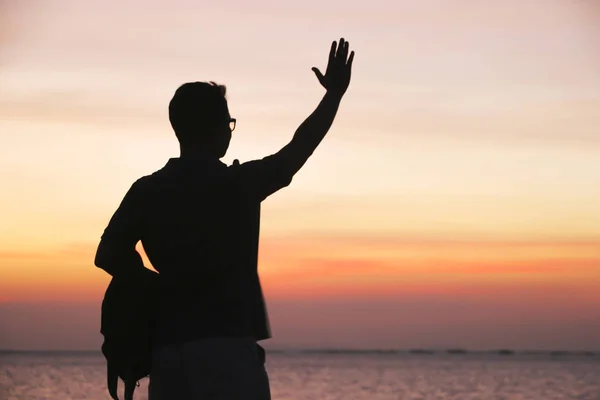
{"type": "Point", "coordinates": [116, 252]}
{"type": "Point", "coordinates": [125, 226]}
{"type": "Point", "coordinates": [261, 178]}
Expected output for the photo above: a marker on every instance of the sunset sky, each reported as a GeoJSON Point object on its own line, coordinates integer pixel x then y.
{"type": "Point", "coordinates": [454, 203]}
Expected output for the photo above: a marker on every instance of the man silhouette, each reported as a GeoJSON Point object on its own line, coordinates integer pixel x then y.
{"type": "Point", "coordinates": [198, 220]}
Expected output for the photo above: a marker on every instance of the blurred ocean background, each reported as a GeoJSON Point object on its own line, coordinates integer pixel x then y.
{"type": "Point", "coordinates": [329, 375]}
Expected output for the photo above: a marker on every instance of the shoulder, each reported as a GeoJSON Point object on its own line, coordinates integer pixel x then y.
{"type": "Point", "coordinates": [146, 182]}
{"type": "Point", "coordinates": [141, 184]}
{"type": "Point", "coordinates": [138, 190]}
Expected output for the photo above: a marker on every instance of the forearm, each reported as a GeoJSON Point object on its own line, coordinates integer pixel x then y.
{"type": "Point", "coordinates": [312, 131]}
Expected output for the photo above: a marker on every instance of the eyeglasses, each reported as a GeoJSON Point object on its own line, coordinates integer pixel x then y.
{"type": "Point", "coordinates": [232, 124]}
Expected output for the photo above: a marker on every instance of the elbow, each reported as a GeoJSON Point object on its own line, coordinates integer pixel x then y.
{"type": "Point", "coordinates": [102, 264]}
{"type": "Point", "coordinates": [102, 259]}
{"type": "Point", "coordinates": [287, 180]}
{"type": "Point", "coordinates": [99, 261]}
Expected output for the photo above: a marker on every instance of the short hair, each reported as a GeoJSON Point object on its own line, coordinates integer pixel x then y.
{"type": "Point", "coordinates": [195, 108]}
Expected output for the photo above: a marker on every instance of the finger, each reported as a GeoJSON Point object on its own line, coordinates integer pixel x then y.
{"type": "Point", "coordinates": [332, 51]}
{"type": "Point", "coordinates": [346, 47]}
{"type": "Point", "coordinates": [318, 74]}
{"type": "Point", "coordinates": [350, 59]}
{"type": "Point", "coordinates": [340, 49]}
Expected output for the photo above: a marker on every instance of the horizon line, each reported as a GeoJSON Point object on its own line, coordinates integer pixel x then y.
{"type": "Point", "coordinates": [332, 350]}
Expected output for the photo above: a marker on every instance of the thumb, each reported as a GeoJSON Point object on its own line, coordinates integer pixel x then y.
{"type": "Point", "coordinates": [318, 73]}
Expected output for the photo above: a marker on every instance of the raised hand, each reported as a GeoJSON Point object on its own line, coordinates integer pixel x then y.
{"type": "Point", "coordinates": [339, 68]}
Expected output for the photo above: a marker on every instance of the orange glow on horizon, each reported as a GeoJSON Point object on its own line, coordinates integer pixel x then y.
{"type": "Point", "coordinates": [339, 267]}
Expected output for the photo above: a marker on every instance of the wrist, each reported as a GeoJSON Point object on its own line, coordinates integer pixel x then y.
{"type": "Point", "coordinates": [334, 94]}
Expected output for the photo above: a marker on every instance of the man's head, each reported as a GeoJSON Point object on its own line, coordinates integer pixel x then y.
{"type": "Point", "coordinates": [200, 118]}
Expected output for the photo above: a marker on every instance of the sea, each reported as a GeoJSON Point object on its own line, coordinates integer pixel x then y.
{"type": "Point", "coordinates": [347, 375]}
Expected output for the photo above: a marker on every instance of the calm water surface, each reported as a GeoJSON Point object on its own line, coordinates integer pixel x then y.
{"type": "Point", "coordinates": [79, 376]}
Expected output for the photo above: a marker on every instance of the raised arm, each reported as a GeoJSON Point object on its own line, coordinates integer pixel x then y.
{"type": "Point", "coordinates": [312, 131]}
{"type": "Point", "coordinates": [264, 177]}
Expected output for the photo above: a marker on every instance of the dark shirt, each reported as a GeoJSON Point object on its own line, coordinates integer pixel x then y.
{"type": "Point", "coordinates": [199, 223]}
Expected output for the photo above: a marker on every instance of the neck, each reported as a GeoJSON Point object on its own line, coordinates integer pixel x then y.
{"type": "Point", "coordinates": [192, 152]}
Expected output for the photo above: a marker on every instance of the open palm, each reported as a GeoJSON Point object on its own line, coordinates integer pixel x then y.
{"type": "Point", "coordinates": [339, 68]}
